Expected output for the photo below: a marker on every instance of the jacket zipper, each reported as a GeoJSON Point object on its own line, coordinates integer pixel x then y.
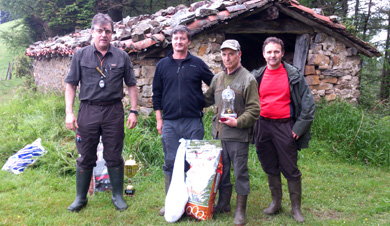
{"type": "Point", "coordinates": [179, 79]}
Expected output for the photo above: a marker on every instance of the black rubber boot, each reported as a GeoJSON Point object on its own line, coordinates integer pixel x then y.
{"type": "Point", "coordinates": [239, 218]}
{"type": "Point", "coordinates": [295, 189]}
{"type": "Point", "coordinates": [275, 185]}
{"type": "Point", "coordinates": [168, 179]}
{"type": "Point", "coordinates": [83, 179]}
{"type": "Point", "coordinates": [223, 205]}
{"type": "Point", "coordinates": [116, 180]}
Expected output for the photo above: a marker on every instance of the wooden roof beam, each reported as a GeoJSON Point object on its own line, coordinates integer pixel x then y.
{"type": "Point", "coordinates": [324, 29]}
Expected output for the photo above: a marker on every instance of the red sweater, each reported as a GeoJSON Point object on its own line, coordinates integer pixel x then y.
{"type": "Point", "coordinates": [274, 93]}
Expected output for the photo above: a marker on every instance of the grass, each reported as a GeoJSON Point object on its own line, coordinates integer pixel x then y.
{"type": "Point", "coordinates": [337, 189]}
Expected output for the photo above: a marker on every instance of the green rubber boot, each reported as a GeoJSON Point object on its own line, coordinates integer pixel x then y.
{"type": "Point", "coordinates": [116, 180]}
{"type": "Point", "coordinates": [83, 179]}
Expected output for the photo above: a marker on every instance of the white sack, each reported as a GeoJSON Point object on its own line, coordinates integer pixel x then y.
{"type": "Point", "coordinates": [177, 196]}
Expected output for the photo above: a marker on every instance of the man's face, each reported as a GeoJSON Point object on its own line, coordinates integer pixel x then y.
{"type": "Point", "coordinates": [102, 35]}
{"type": "Point", "coordinates": [273, 55]}
{"type": "Point", "coordinates": [180, 42]}
{"type": "Point", "coordinates": [231, 58]}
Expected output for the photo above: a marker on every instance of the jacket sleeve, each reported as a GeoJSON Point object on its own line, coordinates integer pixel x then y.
{"type": "Point", "coordinates": [157, 89]}
{"type": "Point", "coordinates": [207, 75]}
{"type": "Point", "coordinates": [307, 108]}
{"type": "Point", "coordinates": [252, 106]}
{"type": "Point", "coordinates": [209, 94]}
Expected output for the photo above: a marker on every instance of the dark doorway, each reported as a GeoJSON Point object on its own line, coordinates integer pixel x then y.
{"type": "Point", "coordinates": [251, 47]}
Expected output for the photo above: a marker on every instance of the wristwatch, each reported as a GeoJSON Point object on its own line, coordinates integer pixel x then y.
{"type": "Point", "coordinates": [135, 112]}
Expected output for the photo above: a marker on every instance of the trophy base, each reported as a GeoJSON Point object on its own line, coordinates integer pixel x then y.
{"type": "Point", "coordinates": [223, 117]}
{"type": "Point", "coordinates": [129, 192]}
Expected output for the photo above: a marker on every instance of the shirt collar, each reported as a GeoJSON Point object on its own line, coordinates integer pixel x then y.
{"type": "Point", "coordinates": [237, 69]}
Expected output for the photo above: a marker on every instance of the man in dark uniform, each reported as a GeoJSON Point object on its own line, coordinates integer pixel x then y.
{"type": "Point", "coordinates": [100, 69]}
{"type": "Point", "coordinates": [287, 112]}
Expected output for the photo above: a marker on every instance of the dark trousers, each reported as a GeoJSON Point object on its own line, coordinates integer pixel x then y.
{"type": "Point", "coordinates": [95, 121]}
{"type": "Point", "coordinates": [172, 132]}
{"type": "Point", "coordinates": [276, 148]}
{"type": "Point", "coordinates": [236, 154]}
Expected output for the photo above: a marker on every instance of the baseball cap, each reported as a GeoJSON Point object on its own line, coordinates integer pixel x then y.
{"type": "Point", "coordinates": [231, 44]}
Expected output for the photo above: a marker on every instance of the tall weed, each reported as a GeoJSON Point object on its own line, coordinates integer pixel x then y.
{"type": "Point", "coordinates": [354, 134]}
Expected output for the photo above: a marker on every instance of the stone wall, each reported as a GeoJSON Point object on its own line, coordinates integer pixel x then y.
{"type": "Point", "coordinates": [331, 71]}
{"type": "Point", "coordinates": [49, 73]}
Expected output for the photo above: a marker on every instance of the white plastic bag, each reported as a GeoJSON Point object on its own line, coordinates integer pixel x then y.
{"type": "Point", "coordinates": [24, 157]}
{"type": "Point", "coordinates": [100, 179]}
{"type": "Point", "coordinates": [177, 196]}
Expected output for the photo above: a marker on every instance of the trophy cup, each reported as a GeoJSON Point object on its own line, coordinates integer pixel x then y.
{"type": "Point", "coordinates": [131, 168]}
{"type": "Point", "coordinates": [228, 104]}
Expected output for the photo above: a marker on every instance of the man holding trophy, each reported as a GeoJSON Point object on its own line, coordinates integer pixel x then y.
{"type": "Point", "coordinates": [234, 94]}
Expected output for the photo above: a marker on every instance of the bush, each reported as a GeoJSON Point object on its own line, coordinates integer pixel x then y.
{"type": "Point", "coordinates": [354, 134]}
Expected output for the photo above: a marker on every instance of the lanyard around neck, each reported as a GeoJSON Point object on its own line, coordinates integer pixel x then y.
{"type": "Point", "coordinates": [101, 61]}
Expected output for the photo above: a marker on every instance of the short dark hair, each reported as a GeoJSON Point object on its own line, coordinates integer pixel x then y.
{"type": "Point", "coordinates": [182, 29]}
{"type": "Point", "coordinates": [273, 40]}
{"type": "Point", "coordinates": [102, 19]}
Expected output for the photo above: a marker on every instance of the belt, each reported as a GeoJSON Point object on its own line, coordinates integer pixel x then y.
{"type": "Point", "coordinates": [101, 103]}
{"type": "Point", "coordinates": [280, 120]}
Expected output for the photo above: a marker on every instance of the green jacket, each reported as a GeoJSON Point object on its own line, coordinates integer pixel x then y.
{"type": "Point", "coordinates": [246, 104]}
{"type": "Point", "coordinates": [302, 102]}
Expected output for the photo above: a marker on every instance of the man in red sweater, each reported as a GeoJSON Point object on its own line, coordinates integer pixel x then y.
{"type": "Point", "coordinates": [287, 112]}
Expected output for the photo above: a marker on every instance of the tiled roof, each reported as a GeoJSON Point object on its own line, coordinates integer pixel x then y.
{"type": "Point", "coordinates": [141, 33]}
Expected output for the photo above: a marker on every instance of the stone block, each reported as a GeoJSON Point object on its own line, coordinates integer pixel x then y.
{"type": "Point", "coordinates": [320, 37]}
{"type": "Point", "coordinates": [147, 91]}
{"type": "Point", "coordinates": [148, 71]}
{"type": "Point", "coordinates": [331, 97]}
{"type": "Point", "coordinates": [219, 38]}
{"type": "Point", "coordinates": [340, 47]}
{"type": "Point", "coordinates": [312, 80]}
{"type": "Point", "coordinates": [310, 70]}
{"type": "Point", "coordinates": [351, 51]}
{"type": "Point", "coordinates": [325, 86]}
{"type": "Point", "coordinates": [332, 80]}
{"type": "Point", "coordinates": [335, 60]}
{"type": "Point", "coordinates": [315, 48]}
{"type": "Point", "coordinates": [147, 111]}
{"type": "Point", "coordinates": [137, 72]}
{"type": "Point", "coordinates": [323, 67]}
{"type": "Point", "coordinates": [215, 48]}
{"type": "Point", "coordinates": [320, 59]}
{"type": "Point", "coordinates": [202, 50]}
{"type": "Point", "coordinates": [331, 72]}
{"type": "Point", "coordinates": [145, 81]}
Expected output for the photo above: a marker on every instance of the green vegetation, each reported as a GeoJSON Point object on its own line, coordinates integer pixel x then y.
{"type": "Point", "coordinates": [343, 184]}
{"type": "Point", "coordinates": [6, 53]}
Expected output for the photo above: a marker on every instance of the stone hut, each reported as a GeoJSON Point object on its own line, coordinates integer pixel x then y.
{"type": "Point", "coordinates": [327, 54]}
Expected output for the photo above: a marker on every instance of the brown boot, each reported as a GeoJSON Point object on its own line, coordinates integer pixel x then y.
{"type": "Point", "coordinates": [275, 185]}
{"type": "Point", "coordinates": [295, 189]}
{"type": "Point", "coordinates": [239, 218]}
{"type": "Point", "coordinates": [223, 204]}
{"type": "Point", "coordinates": [168, 179]}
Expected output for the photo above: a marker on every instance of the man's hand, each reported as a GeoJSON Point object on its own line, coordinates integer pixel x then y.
{"type": "Point", "coordinates": [231, 122]}
{"type": "Point", "coordinates": [295, 136]}
{"type": "Point", "coordinates": [70, 121]}
{"type": "Point", "coordinates": [159, 126]}
{"type": "Point", "coordinates": [131, 121]}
